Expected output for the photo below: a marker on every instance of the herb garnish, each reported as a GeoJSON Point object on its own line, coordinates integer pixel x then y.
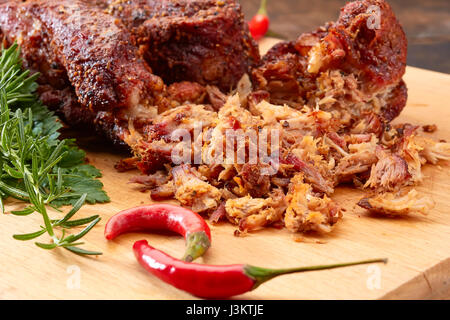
{"type": "Point", "coordinates": [36, 166]}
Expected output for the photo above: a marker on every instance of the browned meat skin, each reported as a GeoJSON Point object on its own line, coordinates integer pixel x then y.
{"type": "Point", "coordinates": [204, 41]}
{"type": "Point", "coordinates": [96, 78]}
{"type": "Point", "coordinates": [369, 63]}
{"type": "Point", "coordinates": [396, 102]}
{"type": "Point", "coordinates": [379, 53]}
{"type": "Point", "coordinates": [80, 50]}
{"type": "Point", "coordinates": [66, 104]}
{"type": "Point", "coordinates": [75, 40]}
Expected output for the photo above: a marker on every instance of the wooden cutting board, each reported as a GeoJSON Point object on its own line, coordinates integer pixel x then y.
{"type": "Point", "coordinates": [418, 247]}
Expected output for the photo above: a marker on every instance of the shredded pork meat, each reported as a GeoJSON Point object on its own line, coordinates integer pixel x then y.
{"type": "Point", "coordinates": [392, 204]}
{"type": "Point", "coordinates": [254, 213]}
{"type": "Point", "coordinates": [192, 191]}
{"type": "Point", "coordinates": [327, 99]}
{"type": "Point", "coordinates": [313, 156]}
{"type": "Point", "coordinates": [307, 211]}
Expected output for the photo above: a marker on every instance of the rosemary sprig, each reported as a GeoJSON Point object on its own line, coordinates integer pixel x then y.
{"type": "Point", "coordinates": [37, 167]}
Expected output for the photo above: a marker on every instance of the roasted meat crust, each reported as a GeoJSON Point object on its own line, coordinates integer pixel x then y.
{"type": "Point", "coordinates": [72, 42]}
{"type": "Point", "coordinates": [353, 61]}
{"type": "Point", "coordinates": [379, 52]}
{"type": "Point", "coordinates": [103, 123]}
{"type": "Point", "coordinates": [91, 72]}
{"type": "Point", "coordinates": [94, 74]}
{"type": "Point", "coordinates": [204, 41]}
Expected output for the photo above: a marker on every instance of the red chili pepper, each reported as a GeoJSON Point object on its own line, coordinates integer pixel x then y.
{"type": "Point", "coordinates": [209, 281]}
{"type": "Point", "coordinates": [259, 25]}
{"type": "Point", "coordinates": [164, 217]}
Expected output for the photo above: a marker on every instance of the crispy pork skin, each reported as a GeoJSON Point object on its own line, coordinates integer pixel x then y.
{"type": "Point", "coordinates": [79, 50]}
{"type": "Point", "coordinates": [71, 42]}
{"type": "Point", "coordinates": [204, 41]}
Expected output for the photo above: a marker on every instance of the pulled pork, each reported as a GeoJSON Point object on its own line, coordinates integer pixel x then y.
{"type": "Point", "coordinates": [392, 204]}
{"type": "Point", "coordinates": [254, 213]}
{"type": "Point", "coordinates": [307, 211]}
{"type": "Point", "coordinates": [315, 114]}
{"type": "Point", "coordinates": [192, 191]}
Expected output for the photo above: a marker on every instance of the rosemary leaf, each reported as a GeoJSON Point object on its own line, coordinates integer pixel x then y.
{"type": "Point", "coordinates": [25, 212]}
{"type": "Point", "coordinates": [74, 210]}
{"type": "Point", "coordinates": [29, 236]}
{"type": "Point", "coordinates": [79, 222]}
{"type": "Point", "coordinates": [82, 251]}
{"type": "Point", "coordinates": [73, 238]}
{"type": "Point", "coordinates": [46, 246]}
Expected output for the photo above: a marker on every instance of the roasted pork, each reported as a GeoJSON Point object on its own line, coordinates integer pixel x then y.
{"type": "Point", "coordinates": [204, 41]}
{"type": "Point", "coordinates": [352, 68]}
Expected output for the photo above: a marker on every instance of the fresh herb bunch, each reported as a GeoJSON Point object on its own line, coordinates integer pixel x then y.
{"type": "Point", "coordinates": [36, 166]}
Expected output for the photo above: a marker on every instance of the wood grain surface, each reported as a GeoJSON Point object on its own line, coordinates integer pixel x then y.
{"type": "Point", "coordinates": [418, 247]}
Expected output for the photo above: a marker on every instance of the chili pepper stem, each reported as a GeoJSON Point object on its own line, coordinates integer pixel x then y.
{"type": "Point", "coordinates": [263, 8]}
{"type": "Point", "coordinates": [261, 275]}
{"type": "Point", "coordinates": [273, 34]}
{"type": "Point", "coordinates": [197, 243]}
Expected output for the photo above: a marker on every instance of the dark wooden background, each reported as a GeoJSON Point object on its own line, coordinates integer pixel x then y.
{"type": "Point", "coordinates": [426, 23]}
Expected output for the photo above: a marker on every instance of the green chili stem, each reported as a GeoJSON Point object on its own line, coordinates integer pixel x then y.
{"type": "Point", "coordinates": [263, 8]}
{"type": "Point", "coordinates": [197, 244]}
{"type": "Point", "coordinates": [261, 275]}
